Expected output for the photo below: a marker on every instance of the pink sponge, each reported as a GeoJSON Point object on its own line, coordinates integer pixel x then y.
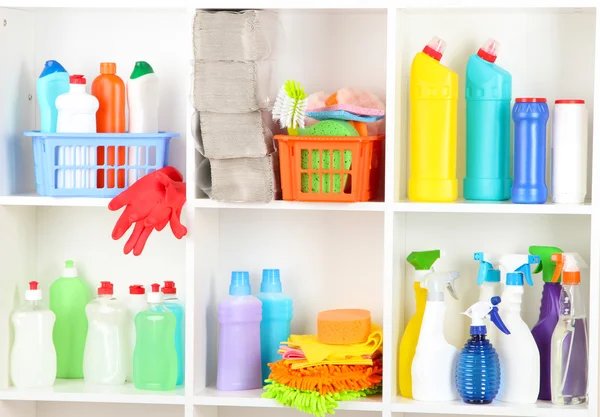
{"type": "Point", "coordinates": [360, 98]}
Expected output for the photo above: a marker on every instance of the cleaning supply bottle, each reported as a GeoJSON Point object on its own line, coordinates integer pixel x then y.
{"type": "Point", "coordinates": [570, 338]}
{"type": "Point", "coordinates": [423, 263]}
{"type": "Point", "coordinates": [69, 295]}
{"type": "Point", "coordinates": [173, 304]}
{"type": "Point", "coordinates": [76, 109]}
{"type": "Point", "coordinates": [239, 366]}
{"type": "Point", "coordinates": [109, 89]}
{"type": "Point", "coordinates": [488, 279]}
{"type": "Point", "coordinates": [143, 96]}
{"type": "Point", "coordinates": [155, 356]}
{"type": "Point", "coordinates": [488, 95]}
{"type": "Point", "coordinates": [433, 368]}
{"type": "Point", "coordinates": [549, 311]}
{"type": "Point", "coordinates": [519, 355]}
{"type": "Point", "coordinates": [136, 303]}
{"type": "Point", "coordinates": [105, 359]}
{"type": "Point", "coordinates": [52, 82]}
{"type": "Point", "coordinates": [276, 318]}
{"type": "Point", "coordinates": [433, 124]}
{"type": "Point", "coordinates": [33, 357]}
{"type": "Point", "coordinates": [478, 370]}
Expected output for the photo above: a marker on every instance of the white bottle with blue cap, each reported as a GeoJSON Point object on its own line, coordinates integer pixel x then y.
{"type": "Point", "coordinates": [488, 279]}
{"type": "Point", "coordinates": [276, 318]}
{"type": "Point", "coordinates": [518, 352]}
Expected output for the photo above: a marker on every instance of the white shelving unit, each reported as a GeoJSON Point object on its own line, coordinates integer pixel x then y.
{"type": "Point", "coordinates": [331, 255]}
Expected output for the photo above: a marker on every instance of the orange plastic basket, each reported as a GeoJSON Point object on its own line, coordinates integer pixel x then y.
{"type": "Point", "coordinates": [330, 168]}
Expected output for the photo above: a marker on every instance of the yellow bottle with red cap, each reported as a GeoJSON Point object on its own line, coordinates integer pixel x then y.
{"type": "Point", "coordinates": [433, 125]}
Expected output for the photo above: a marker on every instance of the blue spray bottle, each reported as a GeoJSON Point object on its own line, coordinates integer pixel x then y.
{"type": "Point", "coordinates": [53, 81]}
{"type": "Point", "coordinates": [478, 369]}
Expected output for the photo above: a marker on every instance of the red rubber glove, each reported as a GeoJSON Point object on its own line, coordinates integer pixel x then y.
{"type": "Point", "coordinates": [151, 202]}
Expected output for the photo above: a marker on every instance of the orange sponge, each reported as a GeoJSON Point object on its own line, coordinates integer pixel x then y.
{"type": "Point", "coordinates": [343, 327]}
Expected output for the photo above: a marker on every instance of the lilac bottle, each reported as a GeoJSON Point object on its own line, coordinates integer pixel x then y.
{"type": "Point", "coordinates": [239, 366]}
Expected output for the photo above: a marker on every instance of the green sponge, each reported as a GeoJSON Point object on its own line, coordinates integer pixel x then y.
{"type": "Point", "coordinates": [329, 128]}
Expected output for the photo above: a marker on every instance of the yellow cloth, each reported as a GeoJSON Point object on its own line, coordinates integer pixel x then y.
{"type": "Point", "coordinates": [319, 353]}
{"type": "Point", "coordinates": [303, 363]}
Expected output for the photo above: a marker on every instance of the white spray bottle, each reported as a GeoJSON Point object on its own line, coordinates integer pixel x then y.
{"type": "Point", "coordinates": [488, 279]}
{"type": "Point", "coordinates": [434, 365]}
{"type": "Point", "coordinates": [518, 352]}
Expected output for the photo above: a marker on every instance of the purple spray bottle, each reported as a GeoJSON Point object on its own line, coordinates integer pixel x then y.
{"type": "Point", "coordinates": [549, 312]}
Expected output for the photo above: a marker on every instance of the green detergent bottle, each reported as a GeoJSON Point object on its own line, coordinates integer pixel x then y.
{"type": "Point", "coordinates": [68, 297]}
{"type": "Point", "coordinates": [155, 354]}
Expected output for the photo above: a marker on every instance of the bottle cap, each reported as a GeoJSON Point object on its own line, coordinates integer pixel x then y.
{"type": "Point", "coordinates": [141, 68]}
{"type": "Point", "coordinates": [155, 296]}
{"type": "Point", "coordinates": [489, 51]}
{"type": "Point", "coordinates": [514, 278]}
{"type": "Point", "coordinates": [137, 289]}
{"type": "Point", "coordinates": [240, 283]}
{"type": "Point", "coordinates": [70, 271]}
{"type": "Point", "coordinates": [270, 281]}
{"type": "Point", "coordinates": [169, 288]}
{"type": "Point", "coordinates": [569, 101]}
{"type": "Point", "coordinates": [106, 288]}
{"type": "Point", "coordinates": [108, 68]}
{"type": "Point", "coordinates": [33, 293]}
{"type": "Point", "coordinates": [530, 100]}
{"type": "Point", "coordinates": [569, 264]}
{"type": "Point", "coordinates": [77, 79]}
{"type": "Point", "coordinates": [435, 48]}
{"type": "Point", "coordinates": [51, 67]}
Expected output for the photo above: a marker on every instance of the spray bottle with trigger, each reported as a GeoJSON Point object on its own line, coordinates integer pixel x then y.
{"type": "Point", "coordinates": [433, 367]}
{"type": "Point", "coordinates": [549, 311]}
{"type": "Point", "coordinates": [478, 370]}
{"type": "Point", "coordinates": [488, 279]}
{"type": "Point", "coordinates": [423, 262]}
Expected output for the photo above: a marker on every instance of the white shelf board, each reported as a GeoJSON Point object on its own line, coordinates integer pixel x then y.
{"type": "Point", "coordinates": [78, 391]}
{"type": "Point", "coordinates": [292, 205]}
{"type": "Point", "coordinates": [497, 408]}
{"type": "Point", "coordinates": [507, 207]}
{"type": "Point", "coordinates": [252, 398]}
{"type": "Point", "coordinates": [35, 200]}
{"type": "Point", "coordinates": [103, 4]}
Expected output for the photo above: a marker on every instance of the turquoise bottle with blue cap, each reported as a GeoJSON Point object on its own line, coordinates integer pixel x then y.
{"type": "Point", "coordinates": [276, 319]}
{"type": "Point", "coordinates": [52, 82]}
{"type": "Point", "coordinates": [488, 279]}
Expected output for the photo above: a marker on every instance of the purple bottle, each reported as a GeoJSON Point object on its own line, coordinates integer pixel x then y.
{"type": "Point", "coordinates": [239, 366]}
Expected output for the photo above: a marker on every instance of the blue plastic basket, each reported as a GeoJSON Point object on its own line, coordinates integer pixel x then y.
{"type": "Point", "coordinates": [95, 164]}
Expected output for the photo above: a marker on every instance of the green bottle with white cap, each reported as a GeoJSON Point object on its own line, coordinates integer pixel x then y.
{"type": "Point", "coordinates": [68, 297]}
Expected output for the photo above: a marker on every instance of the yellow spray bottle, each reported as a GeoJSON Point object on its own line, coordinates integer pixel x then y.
{"type": "Point", "coordinates": [423, 263]}
{"type": "Point", "coordinates": [433, 124]}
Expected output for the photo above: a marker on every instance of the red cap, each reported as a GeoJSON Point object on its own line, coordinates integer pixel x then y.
{"type": "Point", "coordinates": [33, 285]}
{"type": "Point", "coordinates": [77, 79]}
{"type": "Point", "coordinates": [489, 51]}
{"type": "Point", "coordinates": [155, 287]}
{"type": "Point", "coordinates": [169, 288]}
{"type": "Point", "coordinates": [106, 288]}
{"type": "Point", "coordinates": [530, 100]}
{"type": "Point", "coordinates": [569, 101]}
{"type": "Point", "coordinates": [137, 289]}
{"type": "Point", "coordinates": [435, 48]}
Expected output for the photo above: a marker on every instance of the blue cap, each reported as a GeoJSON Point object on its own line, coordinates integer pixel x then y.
{"type": "Point", "coordinates": [52, 67]}
{"type": "Point", "coordinates": [478, 330]}
{"type": "Point", "coordinates": [240, 283]}
{"type": "Point", "coordinates": [270, 281]}
{"type": "Point", "coordinates": [514, 278]}
{"type": "Point", "coordinates": [493, 275]}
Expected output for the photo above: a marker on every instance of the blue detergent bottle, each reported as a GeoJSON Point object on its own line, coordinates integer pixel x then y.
{"type": "Point", "coordinates": [52, 82]}
{"type": "Point", "coordinates": [488, 94]}
{"type": "Point", "coordinates": [276, 319]}
{"type": "Point", "coordinates": [174, 305]}
{"type": "Point", "coordinates": [478, 369]}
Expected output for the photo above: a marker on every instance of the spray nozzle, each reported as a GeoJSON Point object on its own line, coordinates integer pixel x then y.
{"type": "Point", "coordinates": [519, 264]}
{"type": "Point", "coordinates": [569, 264]}
{"type": "Point", "coordinates": [423, 261]}
{"type": "Point", "coordinates": [478, 311]}
{"type": "Point", "coordinates": [487, 272]}
{"type": "Point", "coordinates": [546, 267]}
{"type": "Point", "coordinates": [436, 282]}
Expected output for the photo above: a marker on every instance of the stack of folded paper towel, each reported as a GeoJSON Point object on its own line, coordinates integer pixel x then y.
{"type": "Point", "coordinates": [341, 362]}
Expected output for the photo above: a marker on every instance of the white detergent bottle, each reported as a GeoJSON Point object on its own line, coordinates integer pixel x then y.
{"type": "Point", "coordinates": [143, 95]}
{"type": "Point", "coordinates": [105, 357]}
{"type": "Point", "coordinates": [518, 352]}
{"type": "Point", "coordinates": [434, 365]}
{"type": "Point", "coordinates": [489, 281]}
{"type": "Point", "coordinates": [76, 109]}
{"type": "Point", "coordinates": [33, 357]}
{"type": "Point", "coordinates": [136, 303]}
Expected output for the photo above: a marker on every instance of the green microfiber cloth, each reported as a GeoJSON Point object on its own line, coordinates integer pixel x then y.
{"type": "Point", "coordinates": [312, 402]}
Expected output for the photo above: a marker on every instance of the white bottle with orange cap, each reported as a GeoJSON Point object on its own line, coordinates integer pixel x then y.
{"type": "Point", "coordinates": [33, 357]}
{"type": "Point", "coordinates": [136, 303]}
{"type": "Point", "coordinates": [105, 356]}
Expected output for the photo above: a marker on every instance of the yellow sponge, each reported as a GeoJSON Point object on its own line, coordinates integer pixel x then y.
{"type": "Point", "coordinates": [343, 327]}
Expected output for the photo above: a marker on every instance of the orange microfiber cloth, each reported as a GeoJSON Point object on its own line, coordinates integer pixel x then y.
{"type": "Point", "coordinates": [326, 379]}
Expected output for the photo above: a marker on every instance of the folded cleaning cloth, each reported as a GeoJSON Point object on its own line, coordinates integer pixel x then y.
{"type": "Point", "coordinates": [341, 115]}
{"type": "Point", "coordinates": [357, 110]}
{"type": "Point", "coordinates": [316, 352]}
{"type": "Point", "coordinates": [326, 379]}
{"type": "Point", "coordinates": [312, 402]}
{"type": "Point", "coordinates": [289, 353]}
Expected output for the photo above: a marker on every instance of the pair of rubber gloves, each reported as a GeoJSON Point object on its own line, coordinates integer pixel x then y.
{"type": "Point", "coordinates": [151, 202]}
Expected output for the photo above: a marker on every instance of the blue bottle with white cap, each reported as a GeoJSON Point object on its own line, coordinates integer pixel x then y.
{"type": "Point", "coordinates": [276, 318]}
{"type": "Point", "coordinates": [52, 82]}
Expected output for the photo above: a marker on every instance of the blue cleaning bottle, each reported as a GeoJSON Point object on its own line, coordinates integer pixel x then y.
{"type": "Point", "coordinates": [488, 93]}
{"type": "Point", "coordinates": [53, 81]}
{"type": "Point", "coordinates": [478, 369]}
{"type": "Point", "coordinates": [174, 305]}
{"type": "Point", "coordinates": [276, 319]}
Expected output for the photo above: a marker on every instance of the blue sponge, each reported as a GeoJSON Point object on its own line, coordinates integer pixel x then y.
{"type": "Point", "coordinates": [341, 115]}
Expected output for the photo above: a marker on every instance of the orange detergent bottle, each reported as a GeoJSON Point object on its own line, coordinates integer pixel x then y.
{"type": "Point", "coordinates": [109, 89]}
